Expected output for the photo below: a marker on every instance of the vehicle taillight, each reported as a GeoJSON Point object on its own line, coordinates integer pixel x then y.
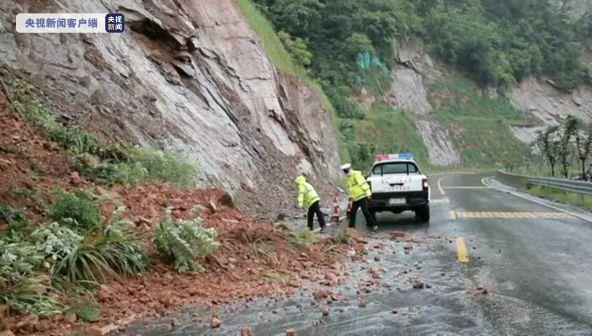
{"type": "Point", "coordinates": [424, 184]}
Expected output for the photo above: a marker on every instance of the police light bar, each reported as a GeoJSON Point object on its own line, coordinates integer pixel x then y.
{"type": "Point", "coordinates": [403, 156]}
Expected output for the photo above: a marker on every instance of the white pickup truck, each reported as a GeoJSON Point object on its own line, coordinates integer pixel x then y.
{"type": "Point", "coordinates": [398, 185]}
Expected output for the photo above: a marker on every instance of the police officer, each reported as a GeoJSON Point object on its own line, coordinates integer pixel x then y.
{"type": "Point", "coordinates": [359, 192]}
{"type": "Point", "coordinates": [307, 196]}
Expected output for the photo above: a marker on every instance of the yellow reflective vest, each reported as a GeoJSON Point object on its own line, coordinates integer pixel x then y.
{"type": "Point", "coordinates": [306, 193]}
{"type": "Point", "coordinates": [357, 187]}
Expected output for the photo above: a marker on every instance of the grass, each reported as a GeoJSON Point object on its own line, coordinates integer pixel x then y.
{"type": "Point", "coordinates": [104, 163]}
{"type": "Point", "coordinates": [561, 196]}
{"type": "Point", "coordinates": [78, 206]}
{"type": "Point", "coordinates": [262, 250]}
{"type": "Point", "coordinates": [479, 125]}
{"type": "Point", "coordinates": [303, 237]}
{"type": "Point", "coordinates": [391, 131]}
{"type": "Point", "coordinates": [271, 42]}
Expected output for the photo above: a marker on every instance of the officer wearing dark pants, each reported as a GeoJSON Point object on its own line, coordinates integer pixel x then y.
{"type": "Point", "coordinates": [308, 196]}
{"type": "Point", "coordinates": [361, 204]}
{"type": "Point", "coordinates": [359, 192]}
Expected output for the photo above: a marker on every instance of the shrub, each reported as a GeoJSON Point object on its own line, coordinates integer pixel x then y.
{"type": "Point", "coordinates": [181, 241]}
{"type": "Point", "coordinates": [22, 287]}
{"type": "Point", "coordinates": [343, 237]}
{"type": "Point", "coordinates": [104, 251]}
{"type": "Point", "coordinates": [303, 237]}
{"type": "Point", "coordinates": [14, 219]}
{"type": "Point", "coordinates": [165, 167]}
{"type": "Point", "coordinates": [55, 242]}
{"type": "Point", "coordinates": [78, 206]}
{"type": "Point", "coordinates": [85, 307]}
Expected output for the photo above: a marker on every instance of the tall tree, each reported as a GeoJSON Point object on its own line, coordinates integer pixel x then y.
{"type": "Point", "coordinates": [583, 137]}
{"type": "Point", "coordinates": [548, 142]}
{"type": "Point", "coordinates": [565, 149]}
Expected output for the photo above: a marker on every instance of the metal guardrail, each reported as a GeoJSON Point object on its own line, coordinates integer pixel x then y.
{"type": "Point", "coordinates": [521, 181]}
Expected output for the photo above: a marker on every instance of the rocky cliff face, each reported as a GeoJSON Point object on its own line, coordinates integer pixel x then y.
{"type": "Point", "coordinates": [412, 76]}
{"type": "Point", "coordinates": [540, 102]}
{"type": "Point", "coordinates": [189, 76]}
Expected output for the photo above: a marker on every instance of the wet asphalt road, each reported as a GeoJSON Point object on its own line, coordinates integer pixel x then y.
{"type": "Point", "coordinates": [534, 262]}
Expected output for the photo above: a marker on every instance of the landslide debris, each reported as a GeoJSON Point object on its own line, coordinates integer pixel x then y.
{"type": "Point", "coordinates": [32, 167]}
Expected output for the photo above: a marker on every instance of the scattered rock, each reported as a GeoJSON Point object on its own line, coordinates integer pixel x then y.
{"type": "Point", "coordinates": [70, 318]}
{"type": "Point", "coordinates": [246, 331]}
{"type": "Point", "coordinates": [291, 332]}
{"type": "Point", "coordinates": [418, 284]}
{"type": "Point", "coordinates": [407, 249]}
{"type": "Point", "coordinates": [397, 234]}
{"type": "Point", "coordinates": [215, 322]}
{"type": "Point", "coordinates": [325, 311]}
{"type": "Point", "coordinates": [212, 206]}
{"type": "Point", "coordinates": [376, 258]}
{"type": "Point", "coordinates": [28, 324]}
{"type": "Point", "coordinates": [75, 178]}
{"type": "Point", "coordinates": [93, 331]}
{"type": "Point", "coordinates": [322, 294]}
{"type": "Point", "coordinates": [482, 290]}
{"type": "Point", "coordinates": [362, 303]}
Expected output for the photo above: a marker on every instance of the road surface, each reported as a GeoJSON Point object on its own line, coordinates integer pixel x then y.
{"type": "Point", "coordinates": [490, 264]}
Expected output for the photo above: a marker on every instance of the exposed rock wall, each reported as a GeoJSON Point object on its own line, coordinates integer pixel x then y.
{"type": "Point", "coordinates": [546, 105]}
{"type": "Point", "coordinates": [411, 79]}
{"type": "Point", "coordinates": [189, 76]}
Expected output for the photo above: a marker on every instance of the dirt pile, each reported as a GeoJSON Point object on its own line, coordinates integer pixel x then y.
{"type": "Point", "coordinates": [30, 166]}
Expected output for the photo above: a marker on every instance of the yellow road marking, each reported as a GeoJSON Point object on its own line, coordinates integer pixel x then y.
{"type": "Point", "coordinates": [503, 214]}
{"type": "Point", "coordinates": [461, 250]}
{"type": "Point", "coordinates": [452, 215]}
{"type": "Point", "coordinates": [440, 186]}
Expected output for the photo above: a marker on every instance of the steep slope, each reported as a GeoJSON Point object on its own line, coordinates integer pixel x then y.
{"type": "Point", "coordinates": [189, 76]}
{"type": "Point", "coordinates": [462, 124]}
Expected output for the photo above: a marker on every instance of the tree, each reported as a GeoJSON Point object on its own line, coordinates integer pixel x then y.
{"type": "Point", "coordinates": [565, 148]}
{"type": "Point", "coordinates": [548, 142]}
{"type": "Point", "coordinates": [297, 17]}
{"type": "Point", "coordinates": [583, 136]}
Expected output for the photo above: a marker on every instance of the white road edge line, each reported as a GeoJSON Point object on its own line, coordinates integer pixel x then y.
{"type": "Point", "coordinates": [534, 200]}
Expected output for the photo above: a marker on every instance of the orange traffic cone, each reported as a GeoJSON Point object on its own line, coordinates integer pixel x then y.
{"type": "Point", "coordinates": [335, 216]}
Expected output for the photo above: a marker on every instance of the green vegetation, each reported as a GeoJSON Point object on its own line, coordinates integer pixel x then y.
{"type": "Point", "coordinates": [561, 196]}
{"type": "Point", "coordinates": [303, 237]}
{"type": "Point", "coordinates": [565, 144]}
{"type": "Point", "coordinates": [86, 308]}
{"type": "Point", "coordinates": [103, 163]}
{"type": "Point", "coordinates": [343, 238]}
{"type": "Point", "coordinates": [38, 264]}
{"type": "Point", "coordinates": [272, 43]}
{"type": "Point", "coordinates": [478, 124]}
{"type": "Point", "coordinates": [496, 43]}
{"type": "Point", "coordinates": [78, 207]}
{"type": "Point", "coordinates": [386, 130]}
{"type": "Point", "coordinates": [181, 241]}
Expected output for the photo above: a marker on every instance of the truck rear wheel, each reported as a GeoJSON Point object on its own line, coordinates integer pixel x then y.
{"type": "Point", "coordinates": [423, 214]}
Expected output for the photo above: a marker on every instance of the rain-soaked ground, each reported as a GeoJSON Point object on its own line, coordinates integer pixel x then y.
{"type": "Point", "coordinates": [405, 286]}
